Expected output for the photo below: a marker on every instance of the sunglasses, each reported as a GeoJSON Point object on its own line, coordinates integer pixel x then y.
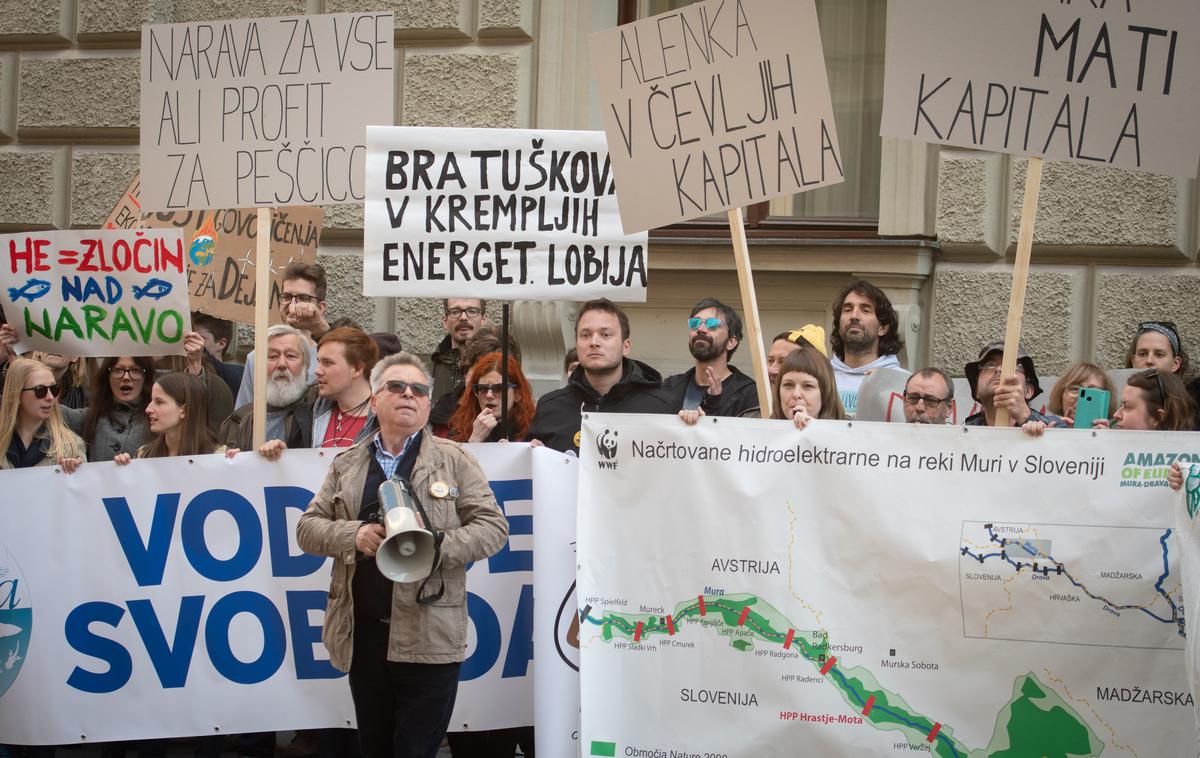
{"type": "Point", "coordinates": [712, 322]}
{"type": "Point", "coordinates": [398, 387]}
{"type": "Point", "coordinates": [1162, 393]}
{"type": "Point", "coordinates": [483, 389]}
{"type": "Point", "coordinates": [41, 390]}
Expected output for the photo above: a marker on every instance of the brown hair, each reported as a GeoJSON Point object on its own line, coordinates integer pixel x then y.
{"type": "Point", "coordinates": [889, 343]}
{"type": "Point", "coordinates": [1074, 377]}
{"type": "Point", "coordinates": [359, 348]}
{"type": "Point", "coordinates": [608, 306]}
{"type": "Point", "coordinates": [520, 404]}
{"type": "Point", "coordinates": [195, 436]}
{"type": "Point", "coordinates": [101, 400]}
{"type": "Point", "coordinates": [809, 361]}
{"type": "Point", "coordinates": [1166, 393]}
{"type": "Point", "coordinates": [309, 272]}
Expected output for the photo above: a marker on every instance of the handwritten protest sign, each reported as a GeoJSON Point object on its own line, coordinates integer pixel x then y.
{"type": "Point", "coordinates": [496, 213]}
{"type": "Point", "coordinates": [96, 293]}
{"type": "Point", "coordinates": [714, 106]}
{"type": "Point", "coordinates": [1102, 83]}
{"type": "Point", "coordinates": [220, 244]}
{"type": "Point", "coordinates": [262, 112]}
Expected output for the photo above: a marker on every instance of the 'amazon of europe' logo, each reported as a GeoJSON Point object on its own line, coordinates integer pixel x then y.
{"type": "Point", "coordinates": [606, 445]}
{"type": "Point", "coordinates": [1151, 469]}
{"type": "Point", "coordinates": [16, 620]}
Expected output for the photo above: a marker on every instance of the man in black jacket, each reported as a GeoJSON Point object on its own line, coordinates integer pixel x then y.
{"type": "Point", "coordinates": [606, 379]}
{"type": "Point", "coordinates": [714, 385]}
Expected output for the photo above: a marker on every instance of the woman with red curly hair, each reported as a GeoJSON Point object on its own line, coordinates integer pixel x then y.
{"type": "Point", "coordinates": [477, 417]}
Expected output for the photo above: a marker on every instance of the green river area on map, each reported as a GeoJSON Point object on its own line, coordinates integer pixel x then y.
{"type": "Point", "coordinates": [1035, 722]}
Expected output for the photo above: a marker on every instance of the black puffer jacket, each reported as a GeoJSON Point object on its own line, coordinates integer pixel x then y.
{"type": "Point", "coordinates": [559, 413]}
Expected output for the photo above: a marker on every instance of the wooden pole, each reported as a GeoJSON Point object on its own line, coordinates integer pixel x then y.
{"type": "Point", "coordinates": [503, 373]}
{"type": "Point", "coordinates": [262, 302]}
{"type": "Point", "coordinates": [741, 256]}
{"type": "Point", "coordinates": [1016, 302]}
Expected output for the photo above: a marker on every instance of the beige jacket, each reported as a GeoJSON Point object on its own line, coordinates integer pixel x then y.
{"type": "Point", "coordinates": [474, 526]}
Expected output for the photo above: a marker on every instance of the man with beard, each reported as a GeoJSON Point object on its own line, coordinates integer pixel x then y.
{"type": "Point", "coordinates": [1014, 393]}
{"type": "Point", "coordinates": [460, 318]}
{"type": "Point", "coordinates": [605, 381]}
{"type": "Point", "coordinates": [927, 397]}
{"type": "Point", "coordinates": [865, 337]}
{"type": "Point", "coordinates": [713, 385]}
{"type": "Point", "coordinates": [289, 411]}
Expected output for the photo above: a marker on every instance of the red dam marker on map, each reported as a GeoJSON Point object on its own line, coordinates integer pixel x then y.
{"type": "Point", "coordinates": [828, 665]}
{"type": "Point", "coordinates": [701, 599]}
{"type": "Point", "coordinates": [869, 705]}
{"type": "Point", "coordinates": [788, 642]}
{"type": "Point", "coordinates": [745, 613]}
{"type": "Point", "coordinates": [933, 732]}
{"type": "Point", "coordinates": [670, 625]}
{"type": "Point", "coordinates": [637, 633]}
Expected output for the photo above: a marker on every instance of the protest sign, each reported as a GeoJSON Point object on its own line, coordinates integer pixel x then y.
{"type": "Point", "coordinates": [867, 589]}
{"type": "Point", "coordinates": [715, 106]}
{"type": "Point", "coordinates": [221, 243]}
{"type": "Point", "coordinates": [96, 293]}
{"type": "Point", "coordinates": [1187, 506]}
{"type": "Point", "coordinates": [175, 601]}
{"type": "Point", "coordinates": [1108, 84]}
{"type": "Point", "coordinates": [496, 213]}
{"type": "Point", "coordinates": [262, 112]}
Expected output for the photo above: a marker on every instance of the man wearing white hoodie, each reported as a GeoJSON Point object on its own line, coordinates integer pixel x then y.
{"type": "Point", "coordinates": [865, 337]}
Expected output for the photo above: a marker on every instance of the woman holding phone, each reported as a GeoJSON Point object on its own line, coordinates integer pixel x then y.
{"type": "Point", "coordinates": [1064, 396]}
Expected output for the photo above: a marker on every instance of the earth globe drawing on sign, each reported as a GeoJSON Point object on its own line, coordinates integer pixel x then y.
{"type": "Point", "coordinates": [203, 244]}
{"type": "Point", "coordinates": [16, 620]}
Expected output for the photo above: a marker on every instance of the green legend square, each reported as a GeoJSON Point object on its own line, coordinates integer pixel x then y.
{"type": "Point", "coordinates": [604, 749]}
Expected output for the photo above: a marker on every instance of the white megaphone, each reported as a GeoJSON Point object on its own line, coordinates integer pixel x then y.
{"type": "Point", "coordinates": [408, 551]}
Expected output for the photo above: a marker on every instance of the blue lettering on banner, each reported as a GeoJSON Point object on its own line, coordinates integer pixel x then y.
{"type": "Point", "coordinates": [147, 556]}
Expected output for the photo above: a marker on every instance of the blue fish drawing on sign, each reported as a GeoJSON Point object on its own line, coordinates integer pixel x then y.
{"type": "Point", "coordinates": [155, 288]}
{"type": "Point", "coordinates": [33, 289]}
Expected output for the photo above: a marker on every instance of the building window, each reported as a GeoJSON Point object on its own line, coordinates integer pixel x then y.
{"type": "Point", "coordinates": [853, 35]}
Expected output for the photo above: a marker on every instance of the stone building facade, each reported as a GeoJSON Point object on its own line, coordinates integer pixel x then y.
{"type": "Point", "coordinates": [1112, 248]}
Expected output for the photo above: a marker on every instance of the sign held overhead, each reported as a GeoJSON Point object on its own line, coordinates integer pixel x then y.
{"type": "Point", "coordinates": [715, 106]}
{"type": "Point", "coordinates": [1110, 84]}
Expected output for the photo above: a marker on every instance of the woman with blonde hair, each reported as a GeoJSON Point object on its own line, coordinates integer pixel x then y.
{"type": "Point", "coordinates": [1065, 393]}
{"type": "Point", "coordinates": [71, 373]}
{"type": "Point", "coordinates": [32, 431]}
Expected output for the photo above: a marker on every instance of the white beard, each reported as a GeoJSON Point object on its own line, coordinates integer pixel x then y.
{"type": "Point", "coordinates": [283, 389]}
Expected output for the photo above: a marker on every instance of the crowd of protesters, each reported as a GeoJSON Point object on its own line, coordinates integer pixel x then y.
{"type": "Point", "coordinates": [324, 381]}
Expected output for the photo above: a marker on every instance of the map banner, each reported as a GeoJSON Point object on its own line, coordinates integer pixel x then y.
{"type": "Point", "coordinates": [869, 589]}
{"type": "Point", "coordinates": [1187, 507]}
{"type": "Point", "coordinates": [168, 598]}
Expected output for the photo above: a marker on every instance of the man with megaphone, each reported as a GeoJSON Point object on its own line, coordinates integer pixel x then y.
{"type": "Point", "coordinates": [401, 513]}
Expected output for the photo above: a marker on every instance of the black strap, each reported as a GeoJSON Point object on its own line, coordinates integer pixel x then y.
{"type": "Point", "coordinates": [438, 536]}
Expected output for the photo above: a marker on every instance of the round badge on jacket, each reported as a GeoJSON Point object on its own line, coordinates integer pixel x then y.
{"type": "Point", "coordinates": [578, 436]}
{"type": "Point", "coordinates": [439, 489]}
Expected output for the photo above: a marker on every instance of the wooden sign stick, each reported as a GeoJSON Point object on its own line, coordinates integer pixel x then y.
{"type": "Point", "coordinates": [1016, 302]}
{"type": "Point", "coordinates": [741, 256]}
{"type": "Point", "coordinates": [262, 302]}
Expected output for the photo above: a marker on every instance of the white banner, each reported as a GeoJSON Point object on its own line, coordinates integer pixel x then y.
{"type": "Point", "coordinates": [556, 625]}
{"type": "Point", "coordinates": [496, 213]}
{"type": "Point", "coordinates": [862, 588]}
{"type": "Point", "coordinates": [168, 598]}
{"type": "Point", "coordinates": [1187, 505]}
{"type": "Point", "coordinates": [96, 293]}
{"type": "Point", "coordinates": [261, 112]}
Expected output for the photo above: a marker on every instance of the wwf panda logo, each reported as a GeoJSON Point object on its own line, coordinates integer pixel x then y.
{"type": "Point", "coordinates": [606, 444]}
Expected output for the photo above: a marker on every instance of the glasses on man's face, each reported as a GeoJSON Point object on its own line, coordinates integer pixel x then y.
{"type": "Point", "coordinates": [483, 389]}
{"type": "Point", "coordinates": [710, 323]}
{"type": "Point", "coordinates": [41, 390]}
{"type": "Point", "coordinates": [399, 387]}
{"type": "Point", "coordinates": [287, 298]}
{"type": "Point", "coordinates": [133, 372]}
{"type": "Point", "coordinates": [930, 401]}
{"type": "Point", "coordinates": [460, 312]}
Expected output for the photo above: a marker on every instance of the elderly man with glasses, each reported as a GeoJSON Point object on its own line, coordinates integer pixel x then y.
{"type": "Point", "coordinates": [927, 397]}
{"type": "Point", "coordinates": [401, 642]}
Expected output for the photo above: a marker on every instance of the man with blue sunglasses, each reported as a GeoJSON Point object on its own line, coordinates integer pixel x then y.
{"type": "Point", "coordinates": [713, 385]}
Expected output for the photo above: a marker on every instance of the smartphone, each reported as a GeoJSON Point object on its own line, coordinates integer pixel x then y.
{"type": "Point", "coordinates": [1092, 404]}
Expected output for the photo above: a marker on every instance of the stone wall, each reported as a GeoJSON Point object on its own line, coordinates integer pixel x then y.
{"type": "Point", "coordinates": [1112, 248]}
